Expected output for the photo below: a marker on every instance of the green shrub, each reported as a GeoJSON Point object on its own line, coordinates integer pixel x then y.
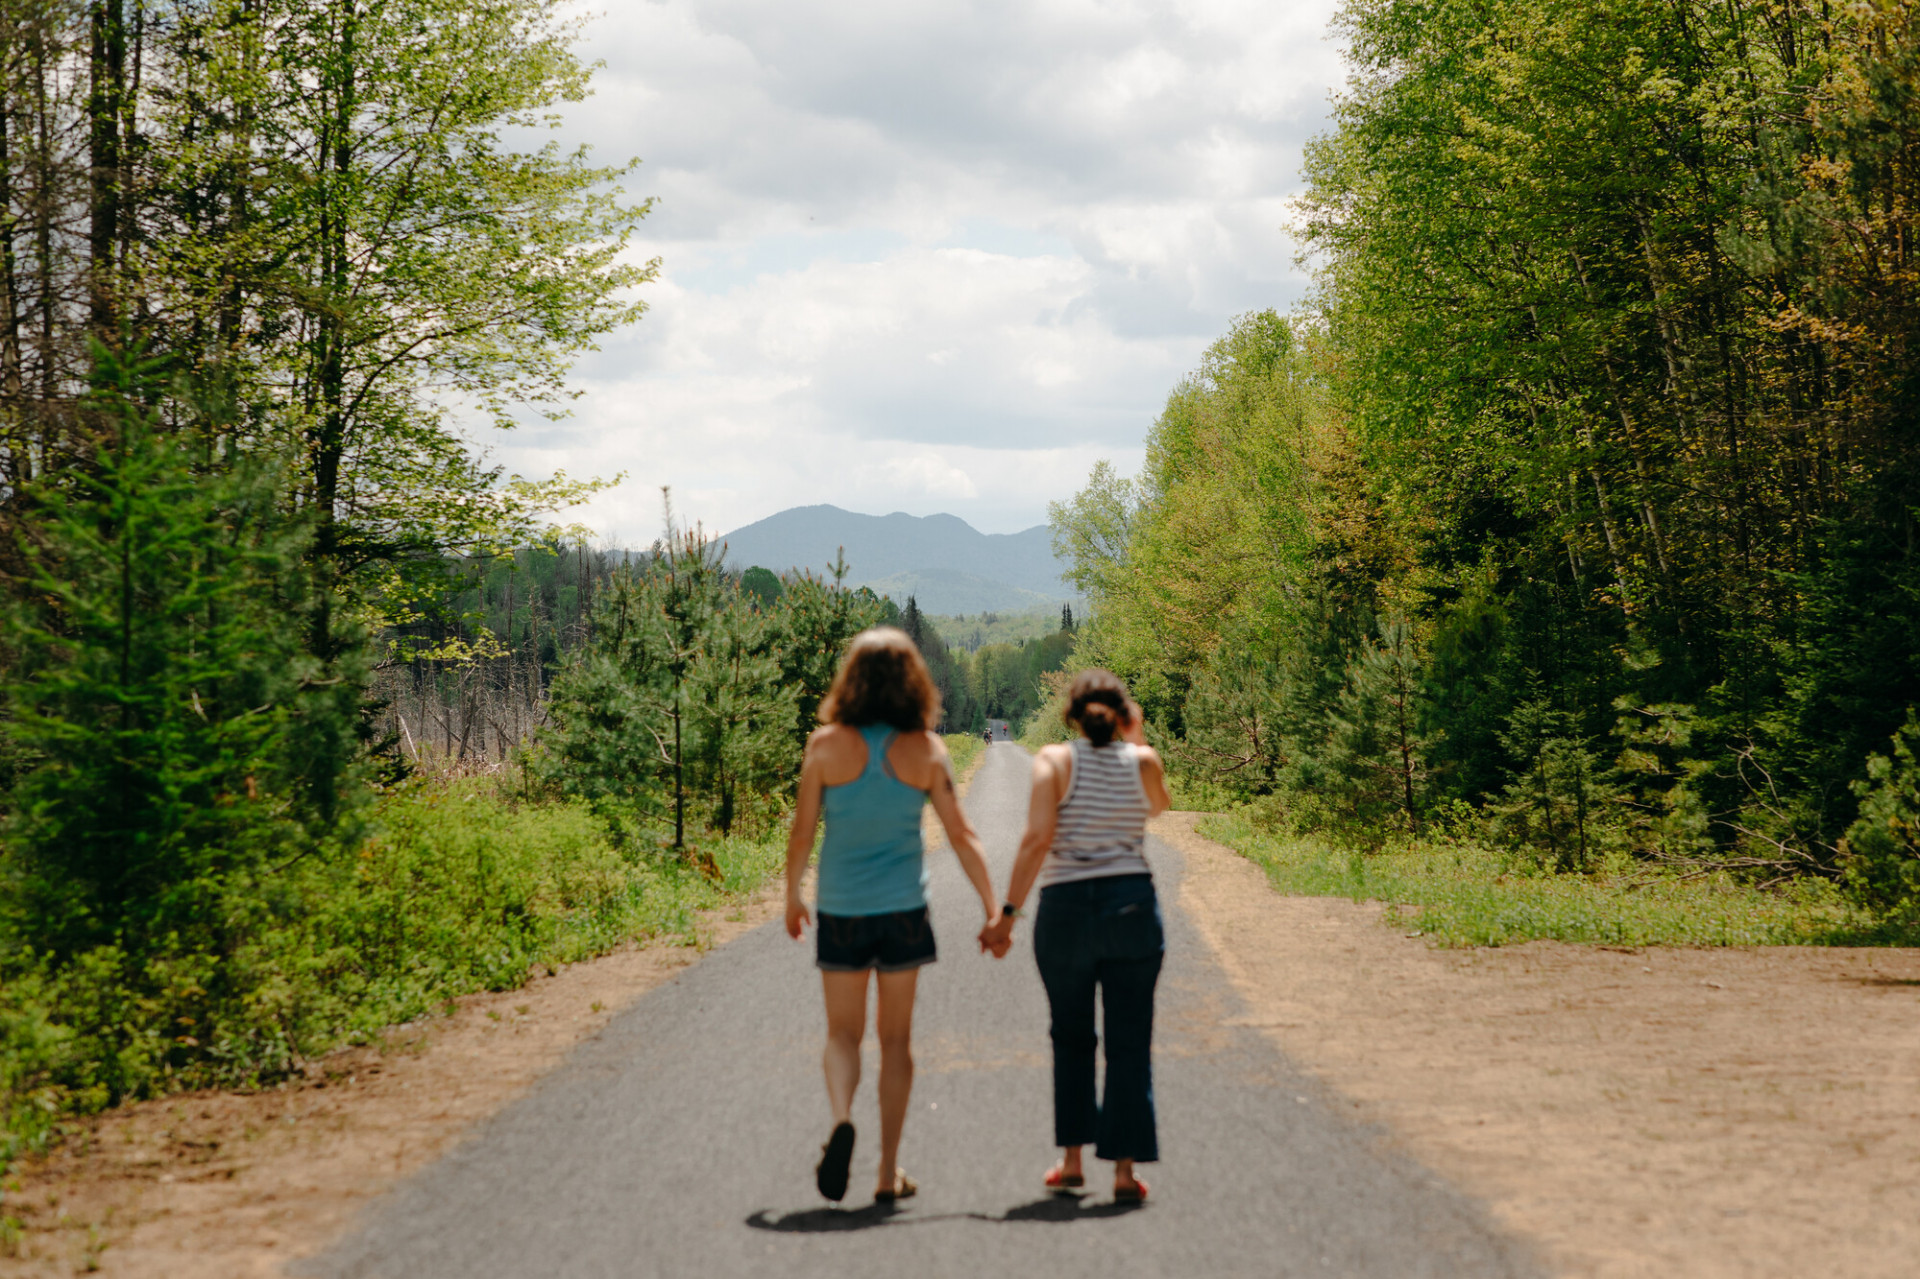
{"type": "Point", "coordinates": [1881, 853]}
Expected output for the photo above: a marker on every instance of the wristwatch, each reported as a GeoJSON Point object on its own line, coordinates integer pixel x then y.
{"type": "Point", "coordinates": [1009, 911]}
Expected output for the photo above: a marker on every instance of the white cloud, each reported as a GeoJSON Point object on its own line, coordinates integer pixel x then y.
{"type": "Point", "coordinates": [916, 475]}
{"type": "Point", "coordinates": [928, 256]}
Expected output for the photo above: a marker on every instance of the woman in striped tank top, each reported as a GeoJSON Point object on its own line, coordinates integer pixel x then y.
{"type": "Point", "coordinates": [1098, 927]}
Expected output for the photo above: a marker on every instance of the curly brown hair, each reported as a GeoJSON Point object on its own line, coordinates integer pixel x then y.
{"type": "Point", "coordinates": [882, 680]}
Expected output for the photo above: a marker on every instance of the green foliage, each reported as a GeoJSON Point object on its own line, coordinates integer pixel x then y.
{"type": "Point", "coordinates": [680, 696]}
{"type": "Point", "coordinates": [313, 218]}
{"type": "Point", "coordinates": [815, 620]}
{"type": "Point", "coordinates": [1607, 391]}
{"type": "Point", "coordinates": [162, 712]}
{"type": "Point", "coordinates": [1882, 850]}
{"type": "Point", "coordinates": [1459, 892]}
{"type": "Point", "coordinates": [1375, 748]}
{"type": "Point", "coordinates": [762, 585]}
{"type": "Point", "coordinates": [1558, 803]}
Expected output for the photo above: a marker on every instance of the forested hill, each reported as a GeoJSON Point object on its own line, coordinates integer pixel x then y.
{"type": "Point", "coordinates": [948, 564]}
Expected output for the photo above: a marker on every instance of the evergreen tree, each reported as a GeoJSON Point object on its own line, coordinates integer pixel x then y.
{"type": "Point", "coordinates": [159, 715]}
{"type": "Point", "coordinates": [1376, 750]}
{"type": "Point", "coordinates": [1558, 802]}
{"type": "Point", "coordinates": [914, 624]}
{"type": "Point", "coordinates": [1881, 853]}
{"type": "Point", "coordinates": [762, 585]}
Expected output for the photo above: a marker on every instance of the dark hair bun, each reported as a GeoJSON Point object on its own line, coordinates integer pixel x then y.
{"type": "Point", "coordinates": [1097, 705]}
{"type": "Point", "coordinates": [1099, 722]}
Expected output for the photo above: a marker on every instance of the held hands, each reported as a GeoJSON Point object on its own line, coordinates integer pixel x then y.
{"type": "Point", "coordinates": [796, 915]}
{"type": "Point", "coordinates": [997, 936]}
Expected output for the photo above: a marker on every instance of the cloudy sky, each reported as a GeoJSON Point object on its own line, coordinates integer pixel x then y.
{"type": "Point", "coordinates": [933, 255]}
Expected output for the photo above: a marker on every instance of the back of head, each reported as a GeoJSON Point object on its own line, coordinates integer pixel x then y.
{"type": "Point", "coordinates": [1097, 705]}
{"type": "Point", "coordinates": [882, 680]}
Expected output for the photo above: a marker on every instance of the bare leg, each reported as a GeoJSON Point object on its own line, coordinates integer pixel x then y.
{"type": "Point", "coordinates": [846, 1024]}
{"type": "Point", "coordinates": [896, 1067]}
{"type": "Point", "coordinates": [1070, 1161]}
{"type": "Point", "coordinates": [1123, 1178]}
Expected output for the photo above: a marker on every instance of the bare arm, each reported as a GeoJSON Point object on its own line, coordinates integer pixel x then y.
{"type": "Point", "coordinates": [960, 832]}
{"type": "Point", "coordinates": [806, 818]}
{"type": "Point", "coordinates": [1153, 773]}
{"type": "Point", "coordinates": [1043, 815]}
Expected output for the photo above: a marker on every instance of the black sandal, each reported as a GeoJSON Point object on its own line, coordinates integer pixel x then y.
{"type": "Point", "coordinates": [835, 1158]}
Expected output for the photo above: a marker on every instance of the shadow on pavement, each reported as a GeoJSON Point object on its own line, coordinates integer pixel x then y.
{"type": "Point", "coordinates": [826, 1221]}
{"type": "Point", "coordinates": [1061, 1208]}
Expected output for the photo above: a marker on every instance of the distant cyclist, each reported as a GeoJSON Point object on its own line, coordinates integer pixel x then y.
{"type": "Point", "coordinates": [872, 764]}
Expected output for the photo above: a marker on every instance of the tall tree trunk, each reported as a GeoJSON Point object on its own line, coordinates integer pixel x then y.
{"type": "Point", "coordinates": [106, 102]}
{"type": "Point", "coordinates": [43, 212]}
{"type": "Point", "coordinates": [328, 439]}
{"type": "Point", "coordinates": [10, 382]}
{"type": "Point", "coordinates": [679, 789]}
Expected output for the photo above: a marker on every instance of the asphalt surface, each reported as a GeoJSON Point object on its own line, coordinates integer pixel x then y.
{"type": "Point", "coordinates": [681, 1140]}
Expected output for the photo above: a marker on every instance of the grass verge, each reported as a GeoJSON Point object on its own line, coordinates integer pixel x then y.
{"type": "Point", "coordinates": [1464, 894]}
{"type": "Point", "coordinates": [966, 750]}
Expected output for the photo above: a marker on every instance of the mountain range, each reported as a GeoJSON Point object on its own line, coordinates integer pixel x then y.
{"type": "Point", "coordinates": [949, 566]}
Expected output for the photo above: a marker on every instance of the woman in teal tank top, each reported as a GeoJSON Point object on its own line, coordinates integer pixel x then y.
{"type": "Point", "coordinates": [870, 767]}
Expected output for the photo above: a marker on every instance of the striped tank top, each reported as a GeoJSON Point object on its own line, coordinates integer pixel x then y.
{"type": "Point", "coordinates": [1101, 829]}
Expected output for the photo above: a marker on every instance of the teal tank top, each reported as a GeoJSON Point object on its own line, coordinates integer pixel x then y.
{"type": "Point", "coordinates": [872, 861]}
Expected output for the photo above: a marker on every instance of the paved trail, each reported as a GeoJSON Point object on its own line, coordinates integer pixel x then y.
{"type": "Point", "coordinates": [681, 1140]}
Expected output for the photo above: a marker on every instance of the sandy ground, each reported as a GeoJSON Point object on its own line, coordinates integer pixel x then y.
{"type": "Point", "coordinates": [1656, 1113]}
{"type": "Point", "coordinates": [225, 1185]}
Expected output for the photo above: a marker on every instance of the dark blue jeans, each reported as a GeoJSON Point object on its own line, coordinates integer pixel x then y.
{"type": "Point", "coordinates": [1104, 933]}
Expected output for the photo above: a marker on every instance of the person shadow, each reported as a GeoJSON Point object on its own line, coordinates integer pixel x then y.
{"type": "Point", "coordinates": [1050, 1210]}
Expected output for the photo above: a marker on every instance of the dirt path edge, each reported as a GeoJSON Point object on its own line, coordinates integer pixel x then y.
{"type": "Point", "coordinates": [1661, 1112]}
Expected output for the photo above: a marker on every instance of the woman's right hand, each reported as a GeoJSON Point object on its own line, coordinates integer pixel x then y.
{"type": "Point", "coordinates": [1134, 729]}
{"type": "Point", "coordinates": [796, 916]}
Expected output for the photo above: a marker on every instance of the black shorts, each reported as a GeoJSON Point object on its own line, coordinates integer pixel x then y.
{"type": "Point", "coordinates": [892, 942]}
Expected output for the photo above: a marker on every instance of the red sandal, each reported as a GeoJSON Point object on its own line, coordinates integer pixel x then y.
{"type": "Point", "coordinates": [1134, 1194]}
{"type": "Point", "coordinates": [1060, 1183]}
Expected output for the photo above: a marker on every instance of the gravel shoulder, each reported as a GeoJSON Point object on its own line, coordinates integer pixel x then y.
{"type": "Point", "coordinates": [1737, 1112]}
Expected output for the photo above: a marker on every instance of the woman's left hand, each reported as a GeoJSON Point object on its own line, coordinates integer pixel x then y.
{"type": "Point", "coordinates": [797, 916]}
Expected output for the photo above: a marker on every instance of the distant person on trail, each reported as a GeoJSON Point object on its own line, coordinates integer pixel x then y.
{"type": "Point", "coordinates": [1098, 926]}
{"type": "Point", "coordinates": [870, 766]}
